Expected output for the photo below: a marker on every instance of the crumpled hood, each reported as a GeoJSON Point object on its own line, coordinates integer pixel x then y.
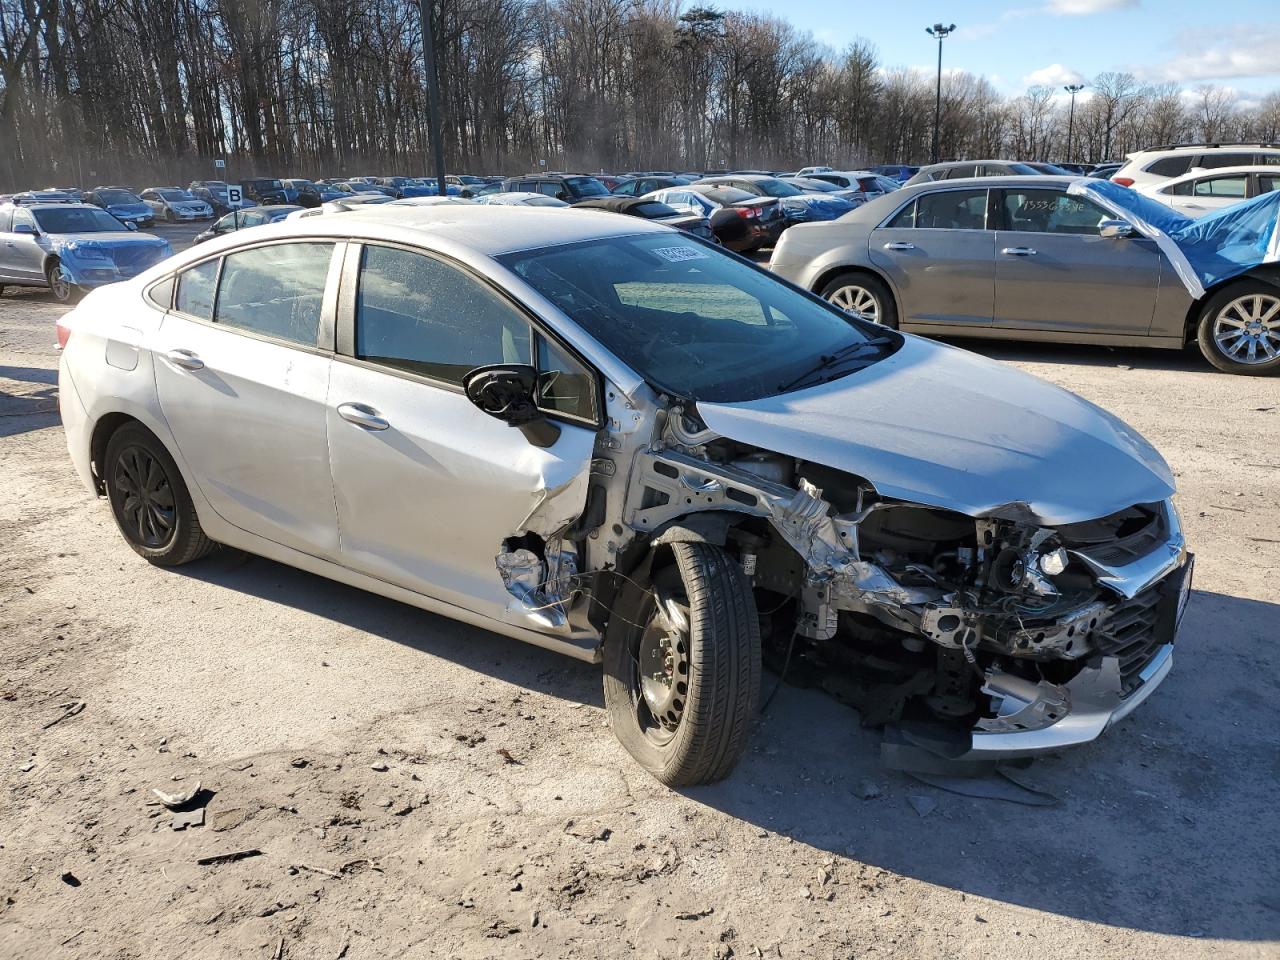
{"type": "Point", "coordinates": [936, 425]}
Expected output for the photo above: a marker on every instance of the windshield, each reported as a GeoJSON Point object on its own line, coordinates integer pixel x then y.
{"type": "Point", "coordinates": [817, 186]}
{"type": "Point", "coordinates": [695, 322]}
{"type": "Point", "coordinates": [653, 210]}
{"type": "Point", "coordinates": [76, 220]}
{"type": "Point", "coordinates": [772, 187]}
{"type": "Point", "coordinates": [175, 194]}
{"type": "Point", "coordinates": [117, 196]}
{"type": "Point", "coordinates": [586, 187]}
{"type": "Point", "coordinates": [1022, 169]}
{"type": "Point", "coordinates": [263, 184]}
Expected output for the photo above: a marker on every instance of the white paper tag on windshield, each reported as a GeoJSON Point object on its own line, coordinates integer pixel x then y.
{"type": "Point", "coordinates": [678, 254]}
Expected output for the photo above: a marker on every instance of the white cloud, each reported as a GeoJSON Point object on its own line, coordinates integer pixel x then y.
{"type": "Point", "coordinates": [1080, 8]}
{"type": "Point", "coordinates": [1246, 50]}
{"type": "Point", "coordinates": [1054, 75]}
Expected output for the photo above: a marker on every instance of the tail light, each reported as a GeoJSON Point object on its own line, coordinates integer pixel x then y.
{"type": "Point", "coordinates": [1123, 181]}
{"type": "Point", "coordinates": [64, 331]}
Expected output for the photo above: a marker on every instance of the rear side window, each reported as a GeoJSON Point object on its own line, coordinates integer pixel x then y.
{"type": "Point", "coordinates": [276, 290]}
{"type": "Point", "coordinates": [196, 288]}
{"type": "Point", "coordinates": [6, 219]}
{"type": "Point", "coordinates": [1236, 186]}
{"type": "Point", "coordinates": [1212, 161]}
{"type": "Point", "coordinates": [424, 316]}
{"type": "Point", "coordinates": [1171, 166]}
{"type": "Point", "coordinates": [1268, 183]}
{"type": "Point", "coordinates": [957, 173]}
{"type": "Point", "coordinates": [1269, 159]}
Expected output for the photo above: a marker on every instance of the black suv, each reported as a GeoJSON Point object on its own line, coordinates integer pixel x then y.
{"type": "Point", "coordinates": [567, 187]}
{"type": "Point", "coordinates": [264, 191]}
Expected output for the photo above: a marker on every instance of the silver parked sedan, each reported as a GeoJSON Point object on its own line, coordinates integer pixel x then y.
{"type": "Point", "coordinates": [1028, 258]}
{"type": "Point", "coordinates": [609, 438]}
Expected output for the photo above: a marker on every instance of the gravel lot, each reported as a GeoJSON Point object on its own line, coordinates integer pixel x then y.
{"type": "Point", "coordinates": [418, 788]}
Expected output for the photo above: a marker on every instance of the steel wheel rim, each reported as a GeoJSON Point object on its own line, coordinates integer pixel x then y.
{"type": "Point", "coordinates": [1247, 330]}
{"type": "Point", "coordinates": [58, 284]}
{"type": "Point", "coordinates": [660, 667]}
{"type": "Point", "coordinates": [857, 300]}
{"type": "Point", "coordinates": [145, 497]}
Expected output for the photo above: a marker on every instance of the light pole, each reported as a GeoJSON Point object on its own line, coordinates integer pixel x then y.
{"type": "Point", "coordinates": [1073, 89]}
{"type": "Point", "coordinates": [433, 91]}
{"type": "Point", "coordinates": [940, 31]}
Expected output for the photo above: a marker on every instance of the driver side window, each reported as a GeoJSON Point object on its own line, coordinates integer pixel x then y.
{"type": "Point", "coordinates": [1052, 211]}
{"type": "Point", "coordinates": [424, 316]}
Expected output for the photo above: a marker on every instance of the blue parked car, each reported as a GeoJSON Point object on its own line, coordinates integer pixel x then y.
{"type": "Point", "coordinates": [71, 247]}
{"type": "Point", "coordinates": [122, 204]}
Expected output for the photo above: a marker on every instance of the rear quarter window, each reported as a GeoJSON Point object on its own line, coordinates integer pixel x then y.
{"type": "Point", "coordinates": [1170, 166]}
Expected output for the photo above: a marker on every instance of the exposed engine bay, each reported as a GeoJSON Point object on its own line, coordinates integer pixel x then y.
{"type": "Point", "coordinates": [972, 628]}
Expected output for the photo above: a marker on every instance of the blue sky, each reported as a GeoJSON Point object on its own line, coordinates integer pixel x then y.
{"type": "Point", "coordinates": [1023, 42]}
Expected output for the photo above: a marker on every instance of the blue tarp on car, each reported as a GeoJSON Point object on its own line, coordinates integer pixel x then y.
{"type": "Point", "coordinates": [1204, 251]}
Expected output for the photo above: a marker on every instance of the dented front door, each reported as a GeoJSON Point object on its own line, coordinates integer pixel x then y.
{"type": "Point", "coordinates": [428, 487]}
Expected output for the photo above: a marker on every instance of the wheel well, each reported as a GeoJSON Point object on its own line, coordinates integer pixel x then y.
{"type": "Point", "coordinates": [829, 275]}
{"type": "Point", "coordinates": [1266, 274]}
{"type": "Point", "coordinates": [103, 430]}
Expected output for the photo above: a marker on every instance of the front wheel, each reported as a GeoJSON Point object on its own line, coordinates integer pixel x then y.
{"type": "Point", "coordinates": [682, 671]}
{"type": "Point", "coordinates": [60, 285]}
{"type": "Point", "coordinates": [1239, 329]}
{"type": "Point", "coordinates": [863, 296]}
{"type": "Point", "coordinates": [150, 500]}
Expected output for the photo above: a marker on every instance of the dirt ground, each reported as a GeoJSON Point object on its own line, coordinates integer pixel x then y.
{"type": "Point", "coordinates": [413, 787]}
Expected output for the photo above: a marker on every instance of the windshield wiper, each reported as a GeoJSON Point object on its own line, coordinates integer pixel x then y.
{"type": "Point", "coordinates": [827, 361]}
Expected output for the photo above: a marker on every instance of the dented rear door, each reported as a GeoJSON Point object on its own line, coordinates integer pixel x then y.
{"type": "Point", "coordinates": [427, 486]}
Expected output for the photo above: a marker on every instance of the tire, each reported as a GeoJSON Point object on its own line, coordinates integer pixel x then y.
{"type": "Point", "coordinates": [169, 217]}
{"type": "Point", "coordinates": [62, 289]}
{"type": "Point", "coordinates": [716, 650]}
{"type": "Point", "coordinates": [164, 527]}
{"type": "Point", "coordinates": [850, 290]}
{"type": "Point", "coordinates": [1238, 321]}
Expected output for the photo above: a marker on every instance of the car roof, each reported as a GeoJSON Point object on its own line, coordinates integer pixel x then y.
{"type": "Point", "coordinates": [483, 229]}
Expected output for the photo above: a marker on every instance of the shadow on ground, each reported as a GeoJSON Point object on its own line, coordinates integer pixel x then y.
{"type": "Point", "coordinates": [1166, 825]}
{"type": "Point", "coordinates": [1188, 360]}
{"type": "Point", "coordinates": [22, 412]}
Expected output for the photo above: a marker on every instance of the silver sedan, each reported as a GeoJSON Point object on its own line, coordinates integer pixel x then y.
{"type": "Point", "coordinates": [614, 440]}
{"type": "Point", "coordinates": [1027, 258]}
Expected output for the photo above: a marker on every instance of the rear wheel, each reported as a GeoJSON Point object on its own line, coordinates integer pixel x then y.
{"type": "Point", "coordinates": [1239, 329]}
{"type": "Point", "coordinates": [682, 678]}
{"type": "Point", "coordinates": [60, 285]}
{"type": "Point", "coordinates": [864, 296]}
{"type": "Point", "coordinates": [169, 217]}
{"type": "Point", "coordinates": [150, 501]}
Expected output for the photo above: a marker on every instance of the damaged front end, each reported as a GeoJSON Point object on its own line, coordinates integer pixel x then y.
{"type": "Point", "coordinates": [975, 636]}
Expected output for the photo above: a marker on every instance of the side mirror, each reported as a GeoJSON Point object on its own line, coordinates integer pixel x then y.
{"type": "Point", "coordinates": [130, 225]}
{"type": "Point", "coordinates": [24, 228]}
{"type": "Point", "coordinates": [1115, 229]}
{"type": "Point", "coordinates": [561, 195]}
{"type": "Point", "coordinates": [506, 392]}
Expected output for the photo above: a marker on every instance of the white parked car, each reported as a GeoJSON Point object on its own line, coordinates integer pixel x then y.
{"type": "Point", "coordinates": [520, 198]}
{"type": "Point", "coordinates": [609, 438]}
{"type": "Point", "coordinates": [1208, 191]}
{"type": "Point", "coordinates": [173, 204]}
{"type": "Point", "coordinates": [1146, 167]}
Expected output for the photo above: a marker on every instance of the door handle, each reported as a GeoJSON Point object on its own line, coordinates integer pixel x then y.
{"type": "Point", "coordinates": [184, 359]}
{"type": "Point", "coordinates": [900, 245]}
{"type": "Point", "coordinates": [362, 416]}
{"type": "Point", "coordinates": [1019, 251]}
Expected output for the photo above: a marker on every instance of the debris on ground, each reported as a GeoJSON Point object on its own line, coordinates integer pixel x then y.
{"type": "Point", "coordinates": [175, 800]}
{"type": "Point", "coordinates": [219, 858]}
{"type": "Point", "coordinates": [188, 818]}
{"type": "Point", "coordinates": [921, 804]}
{"type": "Point", "coordinates": [70, 711]}
{"type": "Point", "coordinates": [70, 879]}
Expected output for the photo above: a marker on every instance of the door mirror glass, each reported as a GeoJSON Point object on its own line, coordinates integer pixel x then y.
{"type": "Point", "coordinates": [1115, 229]}
{"type": "Point", "coordinates": [506, 392]}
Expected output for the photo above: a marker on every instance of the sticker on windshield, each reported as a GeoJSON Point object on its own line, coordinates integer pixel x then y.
{"type": "Point", "coordinates": [679, 254]}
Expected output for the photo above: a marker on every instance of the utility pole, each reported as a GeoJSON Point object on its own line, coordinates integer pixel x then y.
{"type": "Point", "coordinates": [1073, 89]}
{"type": "Point", "coordinates": [941, 32]}
{"type": "Point", "coordinates": [433, 91]}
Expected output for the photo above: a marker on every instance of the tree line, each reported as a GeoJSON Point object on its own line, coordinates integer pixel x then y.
{"type": "Point", "coordinates": [131, 90]}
